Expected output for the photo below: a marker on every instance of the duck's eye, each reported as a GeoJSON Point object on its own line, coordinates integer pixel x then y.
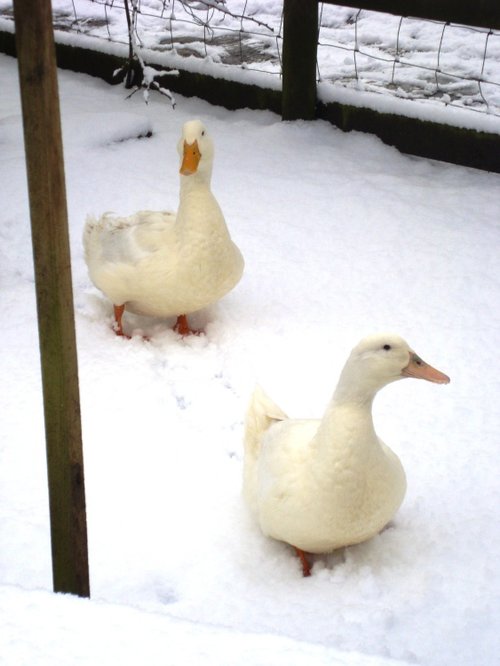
{"type": "Point", "coordinates": [203, 133]}
{"type": "Point", "coordinates": [386, 347]}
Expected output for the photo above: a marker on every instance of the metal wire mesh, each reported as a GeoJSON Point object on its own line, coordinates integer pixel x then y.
{"type": "Point", "coordinates": [406, 58]}
{"type": "Point", "coordinates": [410, 58]}
{"type": "Point", "coordinates": [199, 28]}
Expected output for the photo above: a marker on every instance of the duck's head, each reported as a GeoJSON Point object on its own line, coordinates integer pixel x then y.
{"type": "Point", "coordinates": [380, 359]}
{"type": "Point", "coordinates": [196, 149]}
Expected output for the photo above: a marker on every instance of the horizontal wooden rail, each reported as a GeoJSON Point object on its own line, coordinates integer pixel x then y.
{"type": "Point", "coordinates": [481, 13]}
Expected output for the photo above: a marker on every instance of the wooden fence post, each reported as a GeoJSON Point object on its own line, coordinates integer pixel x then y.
{"type": "Point", "coordinates": [300, 46]}
{"type": "Point", "coordinates": [49, 227]}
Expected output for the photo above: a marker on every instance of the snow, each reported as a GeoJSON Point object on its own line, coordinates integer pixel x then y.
{"type": "Point", "coordinates": [342, 236]}
{"type": "Point", "coordinates": [99, 633]}
{"type": "Point", "coordinates": [430, 70]}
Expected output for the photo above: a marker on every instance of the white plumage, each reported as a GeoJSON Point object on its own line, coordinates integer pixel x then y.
{"type": "Point", "coordinates": [163, 264]}
{"type": "Point", "coordinates": [323, 484]}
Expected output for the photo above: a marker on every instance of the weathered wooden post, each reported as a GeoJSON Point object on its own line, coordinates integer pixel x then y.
{"type": "Point", "coordinates": [300, 47]}
{"type": "Point", "coordinates": [49, 225]}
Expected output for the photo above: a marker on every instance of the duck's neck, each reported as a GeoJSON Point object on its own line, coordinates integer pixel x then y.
{"type": "Point", "coordinates": [356, 387]}
{"type": "Point", "coordinates": [199, 212]}
{"type": "Point", "coordinates": [347, 425]}
{"type": "Point", "coordinates": [354, 396]}
{"type": "Point", "coordinates": [196, 181]}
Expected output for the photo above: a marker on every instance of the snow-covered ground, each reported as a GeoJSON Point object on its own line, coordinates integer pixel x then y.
{"type": "Point", "coordinates": [372, 57]}
{"type": "Point", "coordinates": [342, 236]}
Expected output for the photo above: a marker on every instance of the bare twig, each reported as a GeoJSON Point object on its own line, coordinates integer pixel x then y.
{"type": "Point", "coordinates": [135, 68]}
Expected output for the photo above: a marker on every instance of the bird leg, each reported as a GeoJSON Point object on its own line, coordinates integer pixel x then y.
{"type": "Point", "coordinates": [118, 328]}
{"type": "Point", "coordinates": [306, 569]}
{"type": "Point", "coordinates": [182, 326]}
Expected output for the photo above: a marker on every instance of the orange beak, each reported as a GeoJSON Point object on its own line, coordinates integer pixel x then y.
{"type": "Point", "coordinates": [422, 370]}
{"type": "Point", "coordinates": [190, 158]}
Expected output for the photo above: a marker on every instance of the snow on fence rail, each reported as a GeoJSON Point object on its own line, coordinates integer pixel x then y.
{"type": "Point", "coordinates": [401, 57]}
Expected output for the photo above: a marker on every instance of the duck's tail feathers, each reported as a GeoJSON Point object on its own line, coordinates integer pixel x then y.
{"type": "Point", "coordinates": [98, 229]}
{"type": "Point", "coordinates": [262, 412]}
{"type": "Point", "coordinates": [88, 231]}
{"type": "Point", "coordinates": [91, 231]}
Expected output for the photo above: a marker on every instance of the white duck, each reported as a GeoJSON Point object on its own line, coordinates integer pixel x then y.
{"type": "Point", "coordinates": [160, 264]}
{"type": "Point", "coordinates": [322, 484]}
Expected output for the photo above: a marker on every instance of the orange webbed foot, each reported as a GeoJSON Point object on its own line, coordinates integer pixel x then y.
{"type": "Point", "coordinates": [117, 326]}
{"type": "Point", "coordinates": [183, 328]}
{"type": "Point", "coordinates": [306, 568]}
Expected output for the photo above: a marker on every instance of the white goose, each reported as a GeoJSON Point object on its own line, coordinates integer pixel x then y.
{"type": "Point", "coordinates": [160, 264]}
{"type": "Point", "coordinates": [322, 484]}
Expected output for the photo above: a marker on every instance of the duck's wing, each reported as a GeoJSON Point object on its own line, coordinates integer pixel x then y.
{"type": "Point", "coordinates": [153, 230]}
{"type": "Point", "coordinates": [128, 239]}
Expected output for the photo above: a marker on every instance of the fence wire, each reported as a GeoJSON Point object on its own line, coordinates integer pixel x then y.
{"type": "Point", "coordinates": [208, 29]}
{"type": "Point", "coordinates": [408, 58]}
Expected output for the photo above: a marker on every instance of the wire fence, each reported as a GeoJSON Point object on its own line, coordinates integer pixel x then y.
{"type": "Point", "coordinates": [411, 58]}
{"type": "Point", "coordinates": [408, 58]}
{"type": "Point", "coordinates": [200, 28]}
